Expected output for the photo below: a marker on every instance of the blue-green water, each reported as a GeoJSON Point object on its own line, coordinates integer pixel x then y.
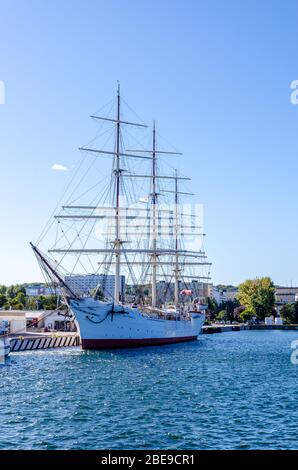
{"type": "Point", "coordinates": [226, 391]}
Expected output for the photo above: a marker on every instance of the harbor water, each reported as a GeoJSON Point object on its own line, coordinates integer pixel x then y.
{"type": "Point", "coordinates": [235, 390]}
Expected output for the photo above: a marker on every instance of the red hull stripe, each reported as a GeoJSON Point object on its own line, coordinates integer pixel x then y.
{"type": "Point", "coordinates": [132, 343]}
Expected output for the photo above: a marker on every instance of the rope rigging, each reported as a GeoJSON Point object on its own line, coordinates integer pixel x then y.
{"type": "Point", "coordinates": [73, 237]}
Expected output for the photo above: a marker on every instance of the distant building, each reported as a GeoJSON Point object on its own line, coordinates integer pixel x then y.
{"type": "Point", "coordinates": [85, 283]}
{"type": "Point", "coordinates": [35, 290]}
{"type": "Point", "coordinates": [286, 295]}
{"type": "Point", "coordinates": [223, 295]}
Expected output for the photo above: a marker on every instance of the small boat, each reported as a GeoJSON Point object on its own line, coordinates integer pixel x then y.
{"type": "Point", "coordinates": [4, 339]}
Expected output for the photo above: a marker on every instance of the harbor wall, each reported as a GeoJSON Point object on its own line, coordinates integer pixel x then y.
{"type": "Point", "coordinates": [43, 342]}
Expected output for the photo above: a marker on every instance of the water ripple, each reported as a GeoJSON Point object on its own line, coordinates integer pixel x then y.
{"type": "Point", "coordinates": [231, 391]}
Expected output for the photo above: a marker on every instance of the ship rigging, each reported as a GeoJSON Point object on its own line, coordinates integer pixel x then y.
{"type": "Point", "coordinates": [130, 223]}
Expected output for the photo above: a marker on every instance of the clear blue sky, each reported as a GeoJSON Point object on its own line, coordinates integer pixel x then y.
{"type": "Point", "coordinates": [215, 74]}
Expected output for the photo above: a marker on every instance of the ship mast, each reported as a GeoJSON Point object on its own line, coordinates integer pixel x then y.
{"type": "Point", "coordinates": [154, 232]}
{"type": "Point", "coordinates": [154, 252]}
{"type": "Point", "coordinates": [117, 241]}
{"type": "Point", "coordinates": [176, 270]}
{"type": "Point", "coordinates": [116, 253]}
{"type": "Point", "coordinates": [178, 251]}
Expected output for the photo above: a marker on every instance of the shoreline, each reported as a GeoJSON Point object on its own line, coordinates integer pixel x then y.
{"type": "Point", "coordinates": [217, 328]}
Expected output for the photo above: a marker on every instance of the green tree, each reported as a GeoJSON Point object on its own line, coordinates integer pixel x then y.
{"type": "Point", "coordinates": [47, 303]}
{"type": "Point", "coordinates": [247, 314]}
{"type": "Point", "coordinates": [2, 289]}
{"type": "Point", "coordinates": [237, 312]}
{"type": "Point", "coordinates": [212, 304]}
{"type": "Point", "coordinates": [258, 295]}
{"type": "Point", "coordinates": [229, 306]}
{"type": "Point", "coordinates": [19, 299]}
{"type": "Point", "coordinates": [212, 309]}
{"type": "Point", "coordinates": [289, 313]}
{"type": "Point", "coordinates": [2, 300]}
{"type": "Point", "coordinates": [17, 306]}
{"type": "Point", "coordinates": [31, 303]}
{"type": "Point", "coordinates": [17, 302]}
{"type": "Point", "coordinates": [222, 315]}
{"type": "Point", "coordinates": [12, 291]}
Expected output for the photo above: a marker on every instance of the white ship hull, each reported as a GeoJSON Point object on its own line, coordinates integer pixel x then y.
{"type": "Point", "coordinates": [103, 326]}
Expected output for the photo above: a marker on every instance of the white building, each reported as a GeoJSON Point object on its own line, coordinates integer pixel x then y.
{"type": "Point", "coordinates": [223, 295]}
{"type": "Point", "coordinates": [55, 320]}
{"type": "Point", "coordinates": [16, 320]}
{"type": "Point", "coordinates": [21, 321]}
{"type": "Point", "coordinates": [49, 320]}
{"type": "Point", "coordinates": [286, 295]}
{"type": "Point", "coordinates": [85, 283]}
{"type": "Point", "coordinates": [35, 290]}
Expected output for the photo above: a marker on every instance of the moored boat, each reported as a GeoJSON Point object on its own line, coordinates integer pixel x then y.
{"type": "Point", "coordinates": [104, 326]}
{"type": "Point", "coordinates": [139, 241]}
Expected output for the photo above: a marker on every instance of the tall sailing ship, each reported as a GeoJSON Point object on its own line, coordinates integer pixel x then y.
{"type": "Point", "coordinates": [134, 225]}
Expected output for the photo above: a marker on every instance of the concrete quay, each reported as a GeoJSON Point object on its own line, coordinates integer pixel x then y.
{"type": "Point", "coordinates": [36, 341]}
